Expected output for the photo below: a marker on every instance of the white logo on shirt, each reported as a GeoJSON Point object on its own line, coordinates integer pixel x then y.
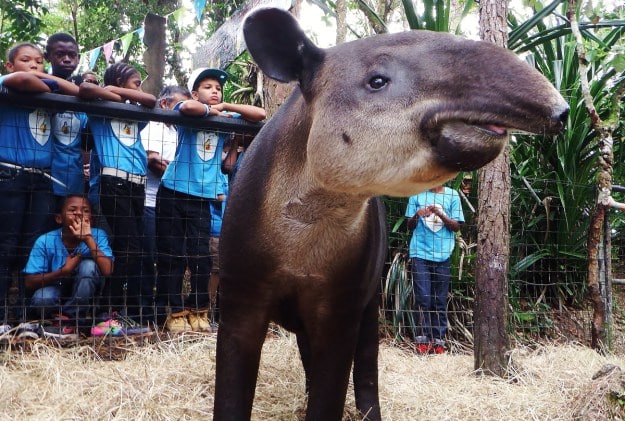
{"type": "Point", "coordinates": [125, 131]}
{"type": "Point", "coordinates": [66, 127]}
{"type": "Point", "coordinates": [40, 126]}
{"type": "Point", "coordinates": [433, 221]}
{"type": "Point", "coordinates": [206, 145]}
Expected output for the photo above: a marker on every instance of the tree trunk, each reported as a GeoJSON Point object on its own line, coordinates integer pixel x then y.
{"type": "Point", "coordinates": [604, 186]}
{"type": "Point", "coordinates": [341, 21]}
{"type": "Point", "coordinates": [155, 41]}
{"type": "Point", "coordinates": [493, 242]}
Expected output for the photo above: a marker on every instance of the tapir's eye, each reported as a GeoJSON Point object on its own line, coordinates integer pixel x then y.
{"type": "Point", "coordinates": [378, 82]}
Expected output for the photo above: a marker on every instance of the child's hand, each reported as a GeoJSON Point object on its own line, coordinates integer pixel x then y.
{"type": "Point", "coordinates": [70, 264]}
{"type": "Point", "coordinates": [81, 227]}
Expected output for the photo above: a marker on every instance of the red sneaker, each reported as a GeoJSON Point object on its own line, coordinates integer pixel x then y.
{"type": "Point", "coordinates": [438, 349]}
{"type": "Point", "coordinates": [423, 348]}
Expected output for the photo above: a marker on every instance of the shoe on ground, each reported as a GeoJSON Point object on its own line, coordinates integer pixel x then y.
{"type": "Point", "coordinates": [178, 322]}
{"type": "Point", "coordinates": [131, 327]}
{"type": "Point", "coordinates": [29, 331]}
{"type": "Point", "coordinates": [198, 320]}
{"type": "Point", "coordinates": [438, 347]}
{"type": "Point", "coordinates": [60, 332]}
{"type": "Point", "coordinates": [4, 329]}
{"type": "Point", "coordinates": [110, 327]}
{"type": "Point", "coordinates": [423, 348]}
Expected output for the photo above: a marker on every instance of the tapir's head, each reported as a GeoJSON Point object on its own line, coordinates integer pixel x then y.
{"type": "Point", "coordinates": [396, 114]}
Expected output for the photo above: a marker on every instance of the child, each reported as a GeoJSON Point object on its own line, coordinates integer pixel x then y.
{"type": "Point", "coordinates": [183, 218]}
{"type": "Point", "coordinates": [26, 199]}
{"type": "Point", "coordinates": [69, 127]}
{"type": "Point", "coordinates": [123, 165]}
{"type": "Point", "coordinates": [159, 140]}
{"type": "Point", "coordinates": [67, 266]}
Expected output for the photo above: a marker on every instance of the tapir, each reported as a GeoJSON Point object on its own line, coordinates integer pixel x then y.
{"type": "Point", "coordinates": [303, 240]}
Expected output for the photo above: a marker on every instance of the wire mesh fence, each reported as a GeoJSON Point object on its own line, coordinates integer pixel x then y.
{"type": "Point", "coordinates": [156, 234]}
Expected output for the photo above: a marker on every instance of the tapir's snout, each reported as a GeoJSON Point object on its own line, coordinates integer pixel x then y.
{"type": "Point", "coordinates": [467, 136]}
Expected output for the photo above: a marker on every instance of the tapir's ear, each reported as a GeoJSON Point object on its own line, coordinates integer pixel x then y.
{"type": "Point", "coordinates": [280, 47]}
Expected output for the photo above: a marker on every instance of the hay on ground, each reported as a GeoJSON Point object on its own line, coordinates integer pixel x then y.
{"type": "Point", "coordinates": [173, 379]}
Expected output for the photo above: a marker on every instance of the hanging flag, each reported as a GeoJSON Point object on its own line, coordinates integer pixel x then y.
{"type": "Point", "coordinates": [108, 50]}
{"type": "Point", "coordinates": [93, 57]}
{"type": "Point", "coordinates": [178, 16]}
{"type": "Point", "coordinates": [140, 32]}
{"type": "Point", "coordinates": [126, 41]}
{"type": "Point", "coordinates": [199, 5]}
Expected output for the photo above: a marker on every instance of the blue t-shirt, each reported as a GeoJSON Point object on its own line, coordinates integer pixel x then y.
{"type": "Point", "coordinates": [67, 163]}
{"type": "Point", "coordinates": [432, 240]}
{"type": "Point", "coordinates": [196, 167]}
{"type": "Point", "coordinates": [25, 135]}
{"type": "Point", "coordinates": [118, 144]}
{"type": "Point", "coordinates": [50, 254]}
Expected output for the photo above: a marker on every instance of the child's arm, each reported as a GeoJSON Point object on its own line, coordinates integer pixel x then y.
{"type": "Point", "coordinates": [65, 86]}
{"type": "Point", "coordinates": [143, 98]}
{"type": "Point", "coordinates": [25, 82]}
{"type": "Point", "coordinates": [93, 91]}
{"type": "Point", "coordinates": [248, 112]}
{"type": "Point", "coordinates": [33, 281]}
{"type": "Point", "coordinates": [195, 108]}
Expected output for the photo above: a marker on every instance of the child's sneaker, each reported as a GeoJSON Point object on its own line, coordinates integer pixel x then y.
{"type": "Point", "coordinates": [110, 327]}
{"type": "Point", "coordinates": [438, 346]}
{"type": "Point", "coordinates": [131, 327]}
{"type": "Point", "coordinates": [60, 332]}
{"type": "Point", "coordinates": [178, 322]}
{"type": "Point", "coordinates": [28, 331]}
{"type": "Point", "coordinates": [422, 345]}
{"type": "Point", "coordinates": [61, 328]}
{"type": "Point", "coordinates": [198, 320]}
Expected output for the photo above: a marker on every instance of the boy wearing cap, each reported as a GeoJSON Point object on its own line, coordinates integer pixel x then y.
{"type": "Point", "coordinates": [183, 218]}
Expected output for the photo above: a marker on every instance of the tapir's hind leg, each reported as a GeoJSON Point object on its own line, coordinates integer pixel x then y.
{"type": "Point", "coordinates": [366, 364]}
{"type": "Point", "coordinates": [242, 331]}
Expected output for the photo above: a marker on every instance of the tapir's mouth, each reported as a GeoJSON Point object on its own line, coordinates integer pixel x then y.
{"type": "Point", "coordinates": [465, 146]}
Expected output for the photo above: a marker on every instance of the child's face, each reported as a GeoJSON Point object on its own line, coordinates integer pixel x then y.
{"type": "Point", "coordinates": [133, 82]}
{"type": "Point", "coordinates": [208, 92]}
{"type": "Point", "coordinates": [63, 57]}
{"type": "Point", "coordinates": [168, 104]}
{"type": "Point", "coordinates": [27, 59]}
{"type": "Point", "coordinates": [74, 209]}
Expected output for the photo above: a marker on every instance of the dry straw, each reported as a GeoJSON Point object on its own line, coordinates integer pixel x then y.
{"type": "Point", "coordinates": [173, 380]}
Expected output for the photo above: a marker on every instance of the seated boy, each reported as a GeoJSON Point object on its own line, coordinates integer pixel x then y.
{"type": "Point", "coordinates": [67, 266]}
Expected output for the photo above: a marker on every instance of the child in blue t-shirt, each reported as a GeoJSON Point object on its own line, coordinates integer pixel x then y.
{"type": "Point", "coordinates": [123, 164]}
{"type": "Point", "coordinates": [26, 200]}
{"type": "Point", "coordinates": [183, 218]}
{"type": "Point", "coordinates": [435, 216]}
{"type": "Point", "coordinates": [66, 268]}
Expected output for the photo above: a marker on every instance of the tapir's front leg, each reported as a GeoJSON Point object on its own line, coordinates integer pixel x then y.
{"type": "Point", "coordinates": [242, 331]}
{"type": "Point", "coordinates": [366, 364]}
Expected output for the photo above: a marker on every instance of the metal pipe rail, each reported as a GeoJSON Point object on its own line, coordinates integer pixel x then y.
{"type": "Point", "coordinates": [57, 102]}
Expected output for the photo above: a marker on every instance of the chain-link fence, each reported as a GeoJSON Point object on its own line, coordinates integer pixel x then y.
{"type": "Point", "coordinates": [547, 269]}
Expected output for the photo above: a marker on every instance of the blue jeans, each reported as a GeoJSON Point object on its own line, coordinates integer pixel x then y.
{"type": "Point", "coordinates": [183, 228]}
{"type": "Point", "coordinates": [26, 212]}
{"type": "Point", "coordinates": [430, 282]}
{"type": "Point", "coordinates": [73, 297]}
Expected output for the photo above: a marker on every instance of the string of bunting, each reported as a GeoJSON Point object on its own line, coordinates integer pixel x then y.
{"type": "Point", "coordinates": [88, 60]}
